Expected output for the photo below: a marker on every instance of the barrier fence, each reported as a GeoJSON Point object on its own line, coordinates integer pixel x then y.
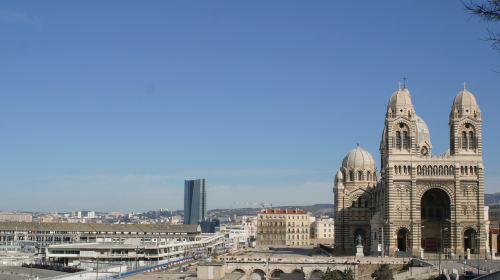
{"type": "Point", "coordinates": [153, 268]}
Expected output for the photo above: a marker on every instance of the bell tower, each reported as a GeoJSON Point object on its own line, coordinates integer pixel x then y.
{"type": "Point", "coordinates": [465, 125]}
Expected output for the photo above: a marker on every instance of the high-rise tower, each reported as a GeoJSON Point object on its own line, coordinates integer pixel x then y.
{"type": "Point", "coordinates": [195, 201]}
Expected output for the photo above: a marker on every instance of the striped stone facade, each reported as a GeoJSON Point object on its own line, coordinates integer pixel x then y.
{"type": "Point", "coordinates": [433, 202]}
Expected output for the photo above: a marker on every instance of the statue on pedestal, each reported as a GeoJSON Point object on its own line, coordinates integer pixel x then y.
{"type": "Point", "coordinates": [359, 247]}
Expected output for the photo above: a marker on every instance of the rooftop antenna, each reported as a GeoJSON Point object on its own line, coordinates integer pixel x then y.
{"type": "Point", "coordinates": [404, 82]}
{"type": "Point", "coordinates": [465, 86]}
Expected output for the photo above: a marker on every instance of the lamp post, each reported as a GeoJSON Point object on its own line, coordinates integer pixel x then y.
{"type": "Point", "coordinates": [420, 240]}
{"type": "Point", "coordinates": [476, 237]}
{"type": "Point", "coordinates": [441, 247]}
{"type": "Point", "coordinates": [382, 236]}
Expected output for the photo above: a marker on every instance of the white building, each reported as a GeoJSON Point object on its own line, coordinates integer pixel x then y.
{"type": "Point", "coordinates": [67, 242]}
{"type": "Point", "coordinates": [323, 231]}
{"type": "Point", "coordinates": [15, 217]}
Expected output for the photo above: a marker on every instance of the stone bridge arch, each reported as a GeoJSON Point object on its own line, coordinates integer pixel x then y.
{"type": "Point", "coordinates": [257, 274]}
{"type": "Point", "coordinates": [316, 274]}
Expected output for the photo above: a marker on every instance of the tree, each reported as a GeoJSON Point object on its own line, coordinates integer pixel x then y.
{"type": "Point", "coordinates": [439, 277]}
{"type": "Point", "coordinates": [488, 11]}
{"type": "Point", "coordinates": [383, 273]}
{"type": "Point", "coordinates": [348, 274]}
{"type": "Point", "coordinates": [338, 275]}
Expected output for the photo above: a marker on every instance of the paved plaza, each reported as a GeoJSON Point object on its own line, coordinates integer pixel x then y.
{"type": "Point", "coordinates": [21, 273]}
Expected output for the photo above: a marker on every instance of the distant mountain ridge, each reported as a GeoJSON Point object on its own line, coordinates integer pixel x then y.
{"type": "Point", "coordinates": [324, 209]}
{"type": "Point", "coordinates": [316, 210]}
{"type": "Point", "coordinates": [490, 198]}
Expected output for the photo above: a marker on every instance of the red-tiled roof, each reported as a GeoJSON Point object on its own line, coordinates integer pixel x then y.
{"type": "Point", "coordinates": [282, 211]}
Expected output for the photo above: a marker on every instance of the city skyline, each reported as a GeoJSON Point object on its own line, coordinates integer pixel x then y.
{"type": "Point", "coordinates": [102, 112]}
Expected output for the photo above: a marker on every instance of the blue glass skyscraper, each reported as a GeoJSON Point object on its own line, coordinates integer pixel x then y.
{"type": "Point", "coordinates": [195, 201]}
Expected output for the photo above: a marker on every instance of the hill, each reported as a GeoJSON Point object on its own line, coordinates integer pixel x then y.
{"type": "Point", "coordinates": [490, 198]}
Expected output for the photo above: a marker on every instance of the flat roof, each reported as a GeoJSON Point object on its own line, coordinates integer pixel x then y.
{"type": "Point", "coordinates": [94, 246]}
{"type": "Point", "coordinates": [17, 272]}
{"type": "Point", "coordinates": [88, 227]}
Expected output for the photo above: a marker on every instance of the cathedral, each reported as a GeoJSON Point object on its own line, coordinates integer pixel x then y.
{"type": "Point", "coordinates": [420, 201]}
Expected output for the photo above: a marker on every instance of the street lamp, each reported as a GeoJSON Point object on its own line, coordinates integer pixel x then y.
{"type": "Point", "coordinates": [441, 249]}
{"type": "Point", "coordinates": [476, 237]}
{"type": "Point", "coordinates": [420, 240]}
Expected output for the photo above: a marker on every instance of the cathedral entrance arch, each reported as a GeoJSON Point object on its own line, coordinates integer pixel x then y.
{"type": "Point", "coordinates": [435, 209]}
{"type": "Point", "coordinates": [403, 240]}
{"type": "Point", "coordinates": [470, 240]}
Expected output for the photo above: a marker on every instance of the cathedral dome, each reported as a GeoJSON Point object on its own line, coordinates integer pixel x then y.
{"type": "Point", "coordinates": [358, 158]}
{"type": "Point", "coordinates": [423, 134]}
{"type": "Point", "coordinates": [400, 102]}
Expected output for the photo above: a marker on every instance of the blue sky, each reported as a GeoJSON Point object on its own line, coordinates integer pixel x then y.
{"type": "Point", "coordinates": [110, 105]}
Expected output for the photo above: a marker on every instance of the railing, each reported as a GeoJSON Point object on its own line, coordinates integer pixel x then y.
{"type": "Point", "coordinates": [152, 268]}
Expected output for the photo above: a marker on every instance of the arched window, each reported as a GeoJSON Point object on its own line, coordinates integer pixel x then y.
{"type": "Point", "coordinates": [405, 140]}
{"type": "Point", "coordinates": [398, 140]}
{"type": "Point", "coordinates": [360, 175]}
{"type": "Point", "coordinates": [351, 176]}
{"type": "Point", "coordinates": [464, 140]}
{"type": "Point", "coordinates": [368, 176]}
{"type": "Point", "coordinates": [472, 144]}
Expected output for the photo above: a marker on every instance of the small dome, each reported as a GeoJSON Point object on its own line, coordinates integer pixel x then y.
{"type": "Point", "coordinates": [423, 134]}
{"type": "Point", "coordinates": [465, 104]}
{"type": "Point", "coordinates": [339, 176]}
{"type": "Point", "coordinates": [400, 102]}
{"type": "Point", "coordinates": [464, 98]}
{"type": "Point", "coordinates": [358, 158]}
